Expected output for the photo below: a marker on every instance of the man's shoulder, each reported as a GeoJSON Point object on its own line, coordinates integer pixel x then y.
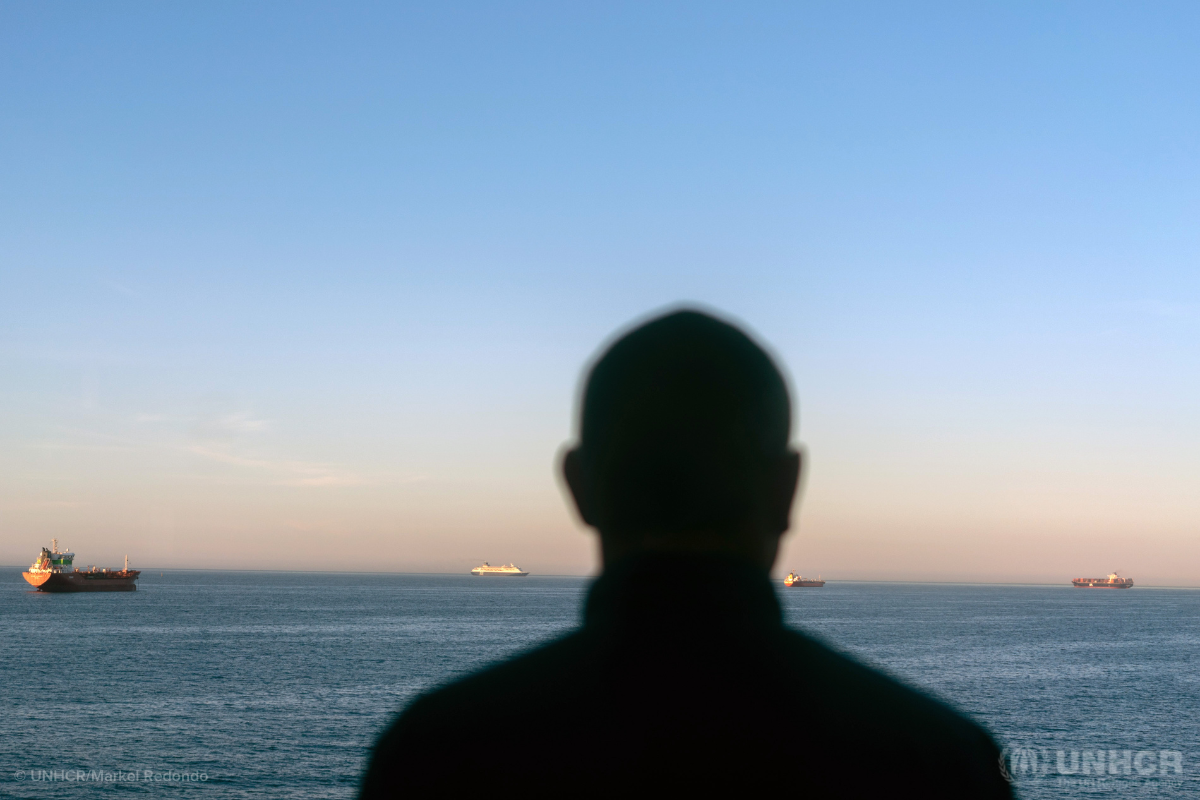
{"type": "Point", "coordinates": [508, 685]}
{"type": "Point", "coordinates": [532, 672]}
{"type": "Point", "coordinates": [582, 699]}
{"type": "Point", "coordinates": [856, 701]}
{"type": "Point", "coordinates": [845, 680]}
{"type": "Point", "coordinates": [811, 678]}
{"type": "Point", "coordinates": [444, 730]}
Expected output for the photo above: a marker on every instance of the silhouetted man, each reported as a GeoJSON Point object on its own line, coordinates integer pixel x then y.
{"type": "Point", "coordinates": [683, 679]}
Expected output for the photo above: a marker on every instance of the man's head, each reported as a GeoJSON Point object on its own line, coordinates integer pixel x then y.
{"type": "Point", "coordinates": [683, 443]}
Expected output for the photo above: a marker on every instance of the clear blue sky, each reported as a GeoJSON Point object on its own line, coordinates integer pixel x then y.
{"type": "Point", "coordinates": [284, 284]}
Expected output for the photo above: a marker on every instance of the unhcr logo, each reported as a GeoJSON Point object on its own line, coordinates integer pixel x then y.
{"type": "Point", "coordinates": [1018, 761]}
{"type": "Point", "coordinates": [1022, 762]}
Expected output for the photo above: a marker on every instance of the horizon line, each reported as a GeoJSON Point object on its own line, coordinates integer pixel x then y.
{"type": "Point", "coordinates": [590, 576]}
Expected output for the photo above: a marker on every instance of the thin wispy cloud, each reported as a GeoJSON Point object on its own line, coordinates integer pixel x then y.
{"type": "Point", "coordinates": [286, 471]}
{"type": "Point", "coordinates": [242, 422]}
{"type": "Point", "coordinates": [227, 427]}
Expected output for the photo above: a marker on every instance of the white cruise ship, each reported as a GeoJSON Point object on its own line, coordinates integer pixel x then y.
{"type": "Point", "coordinates": [512, 570]}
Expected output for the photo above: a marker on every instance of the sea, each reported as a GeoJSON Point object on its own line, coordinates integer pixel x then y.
{"type": "Point", "coordinates": [223, 685]}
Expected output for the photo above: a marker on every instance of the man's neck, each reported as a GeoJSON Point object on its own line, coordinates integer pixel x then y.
{"type": "Point", "coordinates": [750, 546]}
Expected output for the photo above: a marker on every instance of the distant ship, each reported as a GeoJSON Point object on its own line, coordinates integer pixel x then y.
{"type": "Point", "coordinates": [52, 572]}
{"type": "Point", "coordinates": [511, 571]}
{"type": "Point", "coordinates": [1113, 581]}
{"type": "Point", "coordinates": [794, 580]}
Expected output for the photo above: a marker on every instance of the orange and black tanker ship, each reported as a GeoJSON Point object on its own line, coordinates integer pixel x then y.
{"type": "Point", "coordinates": [52, 572]}
{"type": "Point", "coordinates": [799, 581]}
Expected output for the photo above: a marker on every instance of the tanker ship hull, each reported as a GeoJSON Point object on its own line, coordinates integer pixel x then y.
{"type": "Point", "coordinates": [83, 581]}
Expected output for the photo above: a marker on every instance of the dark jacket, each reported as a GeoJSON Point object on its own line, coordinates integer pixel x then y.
{"type": "Point", "coordinates": [683, 679]}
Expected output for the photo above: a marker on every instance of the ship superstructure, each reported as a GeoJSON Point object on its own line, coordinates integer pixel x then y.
{"type": "Point", "coordinates": [1113, 581]}
{"type": "Point", "coordinates": [510, 571]}
{"type": "Point", "coordinates": [53, 571]}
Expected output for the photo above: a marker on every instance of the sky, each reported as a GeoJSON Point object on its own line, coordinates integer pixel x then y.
{"type": "Point", "coordinates": [312, 286]}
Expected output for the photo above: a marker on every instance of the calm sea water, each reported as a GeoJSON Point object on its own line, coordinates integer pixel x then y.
{"type": "Point", "coordinates": [230, 685]}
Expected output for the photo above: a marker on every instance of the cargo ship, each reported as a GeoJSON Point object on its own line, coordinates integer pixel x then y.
{"type": "Point", "coordinates": [793, 580]}
{"type": "Point", "coordinates": [511, 571]}
{"type": "Point", "coordinates": [1113, 581]}
{"type": "Point", "coordinates": [53, 572]}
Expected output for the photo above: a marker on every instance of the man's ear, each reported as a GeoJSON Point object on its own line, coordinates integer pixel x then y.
{"type": "Point", "coordinates": [785, 483]}
{"type": "Point", "coordinates": [572, 472]}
